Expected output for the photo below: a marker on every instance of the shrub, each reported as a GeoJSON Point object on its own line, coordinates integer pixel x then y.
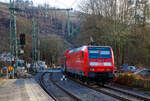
{"type": "Point", "coordinates": [128, 79]}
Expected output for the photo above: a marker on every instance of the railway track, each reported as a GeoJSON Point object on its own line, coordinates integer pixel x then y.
{"type": "Point", "coordinates": [119, 94]}
{"type": "Point", "coordinates": [75, 98]}
{"type": "Point", "coordinates": [105, 90]}
{"type": "Point", "coordinates": [140, 97]}
{"type": "Point", "coordinates": [42, 84]}
{"type": "Point", "coordinates": [102, 91]}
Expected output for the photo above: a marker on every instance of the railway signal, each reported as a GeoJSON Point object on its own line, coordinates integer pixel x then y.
{"type": "Point", "coordinates": [22, 39]}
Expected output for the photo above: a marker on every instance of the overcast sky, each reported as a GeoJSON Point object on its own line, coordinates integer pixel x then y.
{"type": "Point", "coordinates": [56, 3]}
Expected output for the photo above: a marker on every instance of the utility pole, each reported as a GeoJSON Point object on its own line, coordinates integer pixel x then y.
{"type": "Point", "coordinates": [10, 32]}
{"type": "Point", "coordinates": [33, 45]}
{"type": "Point", "coordinates": [13, 37]}
{"type": "Point", "coordinates": [16, 44]}
{"type": "Point", "coordinates": [68, 22]}
{"type": "Point", "coordinates": [35, 37]}
{"type": "Point", "coordinates": [38, 46]}
{"type": "Point", "coordinates": [10, 36]}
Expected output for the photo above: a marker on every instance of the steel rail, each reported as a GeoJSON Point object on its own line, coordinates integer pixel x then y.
{"type": "Point", "coordinates": [102, 91]}
{"type": "Point", "coordinates": [64, 90]}
{"type": "Point", "coordinates": [130, 94]}
{"type": "Point", "coordinates": [56, 84]}
{"type": "Point", "coordinates": [140, 97]}
{"type": "Point", "coordinates": [45, 88]}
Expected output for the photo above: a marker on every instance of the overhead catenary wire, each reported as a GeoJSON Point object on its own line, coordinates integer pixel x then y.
{"type": "Point", "coordinates": [34, 48]}
{"type": "Point", "coordinates": [61, 3]}
{"type": "Point", "coordinates": [75, 1]}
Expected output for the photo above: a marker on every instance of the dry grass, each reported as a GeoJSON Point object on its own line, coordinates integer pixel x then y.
{"type": "Point", "coordinates": [131, 80]}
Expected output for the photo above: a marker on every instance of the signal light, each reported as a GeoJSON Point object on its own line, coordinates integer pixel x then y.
{"type": "Point", "coordinates": [22, 39]}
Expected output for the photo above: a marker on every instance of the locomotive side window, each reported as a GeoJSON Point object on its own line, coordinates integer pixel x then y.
{"type": "Point", "coordinates": [99, 52]}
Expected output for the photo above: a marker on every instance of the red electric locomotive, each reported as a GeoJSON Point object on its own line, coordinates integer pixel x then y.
{"type": "Point", "coordinates": [90, 63]}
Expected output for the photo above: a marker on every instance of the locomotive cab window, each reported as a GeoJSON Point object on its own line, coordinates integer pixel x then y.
{"type": "Point", "coordinates": [99, 52]}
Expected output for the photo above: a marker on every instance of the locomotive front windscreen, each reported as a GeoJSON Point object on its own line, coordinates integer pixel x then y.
{"type": "Point", "coordinates": [99, 52]}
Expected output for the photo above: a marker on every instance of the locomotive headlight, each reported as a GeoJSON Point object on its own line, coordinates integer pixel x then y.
{"type": "Point", "coordinates": [93, 64]}
{"type": "Point", "coordinates": [92, 69]}
{"type": "Point", "coordinates": [108, 70]}
{"type": "Point", "coordinates": [107, 64]}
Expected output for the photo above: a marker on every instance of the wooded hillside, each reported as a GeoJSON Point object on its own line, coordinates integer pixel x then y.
{"type": "Point", "coordinates": [122, 24]}
{"type": "Point", "coordinates": [52, 30]}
